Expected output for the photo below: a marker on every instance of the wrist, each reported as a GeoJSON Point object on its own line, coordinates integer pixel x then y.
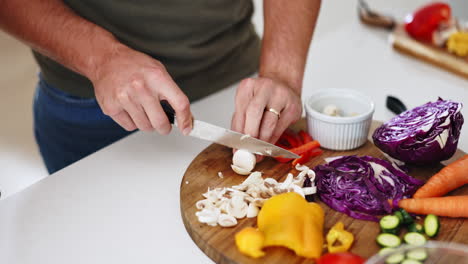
{"type": "Point", "coordinates": [294, 83]}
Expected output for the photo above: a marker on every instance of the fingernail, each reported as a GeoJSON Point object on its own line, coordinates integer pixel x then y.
{"type": "Point", "coordinates": [186, 131]}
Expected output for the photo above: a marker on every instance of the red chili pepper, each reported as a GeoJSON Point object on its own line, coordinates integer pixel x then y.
{"type": "Point", "coordinates": [422, 24]}
{"type": "Point", "coordinates": [305, 136]}
{"type": "Point", "coordinates": [340, 258]}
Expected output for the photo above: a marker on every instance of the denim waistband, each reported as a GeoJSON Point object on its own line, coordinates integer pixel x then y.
{"type": "Point", "coordinates": [67, 107]}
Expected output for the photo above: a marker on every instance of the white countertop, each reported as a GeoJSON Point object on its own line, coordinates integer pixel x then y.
{"type": "Point", "coordinates": [121, 204]}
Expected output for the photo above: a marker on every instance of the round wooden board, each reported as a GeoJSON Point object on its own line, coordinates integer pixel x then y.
{"type": "Point", "coordinates": [218, 242]}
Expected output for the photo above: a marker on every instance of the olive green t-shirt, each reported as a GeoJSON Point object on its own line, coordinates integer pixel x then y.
{"type": "Point", "coordinates": [205, 45]}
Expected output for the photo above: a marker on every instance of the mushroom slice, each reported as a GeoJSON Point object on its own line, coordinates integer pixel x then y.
{"type": "Point", "coordinates": [287, 182]}
{"type": "Point", "coordinates": [237, 207]}
{"type": "Point", "coordinates": [298, 190]}
{"type": "Point", "coordinates": [208, 216]}
{"type": "Point", "coordinates": [255, 178]}
{"type": "Point", "coordinates": [309, 190]}
{"type": "Point", "coordinates": [311, 175]}
{"type": "Point", "coordinates": [202, 204]}
{"type": "Point", "coordinates": [252, 210]}
{"type": "Point", "coordinates": [239, 170]}
{"type": "Point", "coordinates": [300, 167]}
{"type": "Point", "coordinates": [226, 220]}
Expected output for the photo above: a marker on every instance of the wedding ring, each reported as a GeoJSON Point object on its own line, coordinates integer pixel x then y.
{"type": "Point", "coordinates": [274, 111]}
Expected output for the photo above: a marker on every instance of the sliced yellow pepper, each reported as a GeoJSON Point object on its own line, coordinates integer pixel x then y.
{"type": "Point", "coordinates": [249, 241]}
{"type": "Point", "coordinates": [338, 234]}
{"type": "Point", "coordinates": [285, 220]}
{"type": "Point", "coordinates": [458, 43]}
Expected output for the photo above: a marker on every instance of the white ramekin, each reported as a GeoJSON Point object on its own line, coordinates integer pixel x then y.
{"type": "Point", "coordinates": [339, 133]}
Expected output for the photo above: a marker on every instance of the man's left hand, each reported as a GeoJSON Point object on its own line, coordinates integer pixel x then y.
{"type": "Point", "coordinates": [265, 107]}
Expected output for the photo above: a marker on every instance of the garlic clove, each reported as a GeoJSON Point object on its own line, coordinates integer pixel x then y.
{"type": "Point", "coordinates": [240, 170]}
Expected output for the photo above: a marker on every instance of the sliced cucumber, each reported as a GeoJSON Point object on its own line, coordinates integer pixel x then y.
{"type": "Point", "coordinates": [407, 219]}
{"type": "Point", "coordinates": [414, 239]}
{"type": "Point", "coordinates": [388, 240]}
{"type": "Point", "coordinates": [415, 227]}
{"type": "Point", "coordinates": [419, 254]}
{"type": "Point", "coordinates": [399, 215]}
{"type": "Point", "coordinates": [410, 261]}
{"type": "Point", "coordinates": [389, 222]}
{"type": "Point", "coordinates": [386, 251]}
{"type": "Point", "coordinates": [395, 258]}
{"type": "Point", "coordinates": [431, 225]}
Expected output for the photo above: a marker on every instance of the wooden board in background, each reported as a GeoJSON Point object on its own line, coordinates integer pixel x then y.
{"type": "Point", "coordinates": [440, 57]}
{"type": "Point", "coordinates": [218, 242]}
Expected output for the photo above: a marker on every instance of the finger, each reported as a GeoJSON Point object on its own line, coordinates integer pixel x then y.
{"type": "Point", "coordinates": [181, 105]}
{"type": "Point", "coordinates": [124, 120]}
{"type": "Point", "coordinates": [244, 94]}
{"type": "Point", "coordinates": [288, 116]}
{"type": "Point", "coordinates": [155, 113]}
{"type": "Point", "coordinates": [268, 125]}
{"type": "Point", "coordinates": [255, 110]}
{"type": "Point", "coordinates": [136, 112]}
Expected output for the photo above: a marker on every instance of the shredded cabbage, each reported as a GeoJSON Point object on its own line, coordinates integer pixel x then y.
{"type": "Point", "coordinates": [424, 135]}
{"type": "Point", "coordinates": [361, 186]}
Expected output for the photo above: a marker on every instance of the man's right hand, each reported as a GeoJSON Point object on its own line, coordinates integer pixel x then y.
{"type": "Point", "coordinates": [129, 86]}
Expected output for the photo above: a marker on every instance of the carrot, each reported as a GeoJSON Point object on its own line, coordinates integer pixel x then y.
{"type": "Point", "coordinates": [451, 206]}
{"type": "Point", "coordinates": [449, 178]}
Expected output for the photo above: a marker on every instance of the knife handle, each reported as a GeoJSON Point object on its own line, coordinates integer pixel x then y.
{"type": "Point", "coordinates": [170, 113]}
{"type": "Point", "coordinates": [395, 105]}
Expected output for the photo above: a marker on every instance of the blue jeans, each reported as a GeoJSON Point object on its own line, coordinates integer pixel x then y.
{"type": "Point", "coordinates": [68, 128]}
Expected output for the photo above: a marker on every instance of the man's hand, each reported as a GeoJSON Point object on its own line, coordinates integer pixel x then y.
{"type": "Point", "coordinates": [254, 97]}
{"type": "Point", "coordinates": [129, 87]}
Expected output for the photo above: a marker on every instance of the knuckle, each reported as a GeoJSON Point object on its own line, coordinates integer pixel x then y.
{"type": "Point", "coordinates": [182, 104]}
{"type": "Point", "coordinates": [137, 85]}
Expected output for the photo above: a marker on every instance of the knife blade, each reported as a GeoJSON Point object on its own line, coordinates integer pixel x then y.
{"type": "Point", "coordinates": [229, 138]}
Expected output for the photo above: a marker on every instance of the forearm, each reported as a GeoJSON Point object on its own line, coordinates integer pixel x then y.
{"type": "Point", "coordinates": [288, 29]}
{"type": "Point", "coordinates": [53, 29]}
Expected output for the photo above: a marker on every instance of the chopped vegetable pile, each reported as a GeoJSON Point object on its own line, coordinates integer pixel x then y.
{"type": "Point", "coordinates": [361, 186]}
{"type": "Point", "coordinates": [424, 135]}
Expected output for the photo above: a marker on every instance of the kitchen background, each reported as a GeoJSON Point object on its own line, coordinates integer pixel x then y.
{"type": "Point", "coordinates": [21, 165]}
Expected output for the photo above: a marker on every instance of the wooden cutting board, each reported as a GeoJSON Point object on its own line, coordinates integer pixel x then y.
{"type": "Point", "coordinates": [218, 242]}
{"type": "Point", "coordinates": [440, 57]}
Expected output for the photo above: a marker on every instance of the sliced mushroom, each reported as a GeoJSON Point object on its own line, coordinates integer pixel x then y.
{"type": "Point", "coordinates": [255, 178]}
{"type": "Point", "coordinates": [300, 167]}
{"type": "Point", "coordinates": [237, 207]}
{"type": "Point", "coordinates": [226, 220]}
{"type": "Point", "coordinates": [286, 184]}
{"type": "Point", "coordinates": [309, 190]}
{"type": "Point", "coordinates": [208, 216]}
{"type": "Point", "coordinates": [252, 210]}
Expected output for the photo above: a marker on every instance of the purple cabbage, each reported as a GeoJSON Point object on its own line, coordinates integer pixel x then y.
{"type": "Point", "coordinates": [361, 186]}
{"type": "Point", "coordinates": [426, 134]}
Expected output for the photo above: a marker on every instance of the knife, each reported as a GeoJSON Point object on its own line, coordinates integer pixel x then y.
{"type": "Point", "coordinates": [229, 138]}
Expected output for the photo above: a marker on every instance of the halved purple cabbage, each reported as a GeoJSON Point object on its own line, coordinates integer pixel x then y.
{"type": "Point", "coordinates": [361, 186]}
{"type": "Point", "coordinates": [426, 134]}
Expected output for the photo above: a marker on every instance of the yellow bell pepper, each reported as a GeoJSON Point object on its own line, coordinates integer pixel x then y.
{"type": "Point", "coordinates": [285, 220]}
{"type": "Point", "coordinates": [458, 43]}
{"type": "Point", "coordinates": [249, 241]}
{"type": "Point", "coordinates": [338, 233]}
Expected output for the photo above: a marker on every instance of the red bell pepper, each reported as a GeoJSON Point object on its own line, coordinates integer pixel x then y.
{"type": "Point", "coordinates": [305, 136]}
{"type": "Point", "coordinates": [423, 23]}
{"type": "Point", "coordinates": [340, 258]}
{"type": "Point", "coordinates": [307, 156]}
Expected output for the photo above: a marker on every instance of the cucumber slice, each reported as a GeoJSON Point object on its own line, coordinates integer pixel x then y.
{"type": "Point", "coordinates": [399, 215]}
{"type": "Point", "coordinates": [395, 258]}
{"type": "Point", "coordinates": [415, 227]}
{"type": "Point", "coordinates": [410, 261]}
{"type": "Point", "coordinates": [419, 254]}
{"type": "Point", "coordinates": [389, 222]}
{"type": "Point", "coordinates": [431, 225]}
{"type": "Point", "coordinates": [407, 219]}
{"type": "Point", "coordinates": [385, 251]}
{"type": "Point", "coordinates": [388, 240]}
{"type": "Point", "coordinates": [414, 239]}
